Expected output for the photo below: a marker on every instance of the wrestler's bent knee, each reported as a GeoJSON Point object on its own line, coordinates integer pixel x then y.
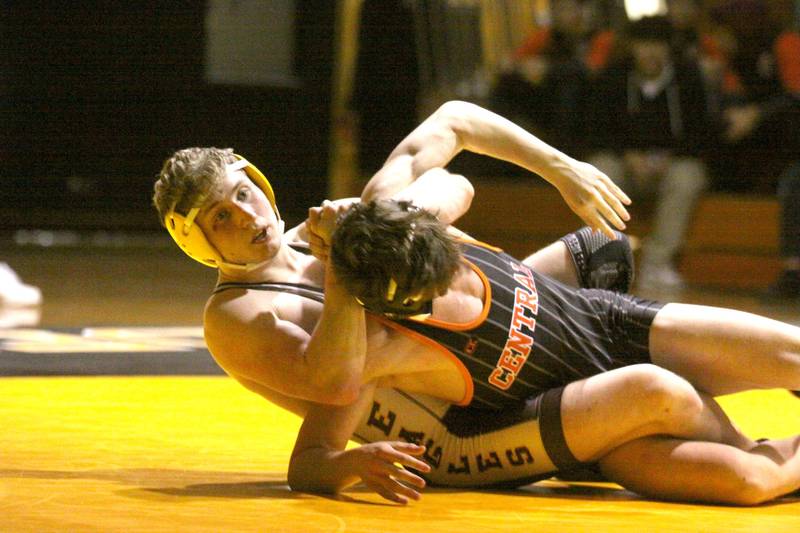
{"type": "Point", "coordinates": [601, 263]}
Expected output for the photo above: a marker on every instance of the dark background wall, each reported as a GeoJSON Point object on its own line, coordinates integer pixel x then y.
{"type": "Point", "coordinates": [94, 95]}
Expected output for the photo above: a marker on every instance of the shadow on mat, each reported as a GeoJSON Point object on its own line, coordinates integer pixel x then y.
{"type": "Point", "coordinates": [245, 490]}
{"type": "Point", "coordinates": [175, 482]}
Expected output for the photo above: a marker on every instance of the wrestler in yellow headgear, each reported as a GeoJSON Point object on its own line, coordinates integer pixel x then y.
{"type": "Point", "coordinates": [190, 237]}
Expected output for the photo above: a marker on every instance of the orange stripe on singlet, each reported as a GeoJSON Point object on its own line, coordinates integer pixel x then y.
{"type": "Point", "coordinates": [465, 375]}
{"type": "Point", "coordinates": [452, 326]}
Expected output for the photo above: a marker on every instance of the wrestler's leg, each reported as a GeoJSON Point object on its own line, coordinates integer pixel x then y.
{"type": "Point", "coordinates": [559, 430]}
{"type": "Point", "coordinates": [604, 411]}
{"type": "Point", "coordinates": [588, 259]}
{"type": "Point", "coordinates": [554, 260]}
{"type": "Point", "coordinates": [722, 351]}
{"type": "Point", "coordinates": [675, 469]}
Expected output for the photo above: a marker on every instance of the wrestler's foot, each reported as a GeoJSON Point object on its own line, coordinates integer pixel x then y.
{"type": "Point", "coordinates": [601, 263]}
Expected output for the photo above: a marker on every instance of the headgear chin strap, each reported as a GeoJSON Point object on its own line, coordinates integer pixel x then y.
{"type": "Point", "coordinates": [190, 237]}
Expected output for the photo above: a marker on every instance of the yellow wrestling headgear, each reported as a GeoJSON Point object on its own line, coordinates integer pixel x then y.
{"type": "Point", "coordinates": [190, 237]}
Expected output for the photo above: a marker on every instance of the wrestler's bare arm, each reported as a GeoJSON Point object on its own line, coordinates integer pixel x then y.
{"type": "Point", "coordinates": [437, 190]}
{"type": "Point", "coordinates": [320, 462]}
{"type": "Point", "coordinates": [249, 339]}
{"type": "Point", "coordinates": [458, 126]}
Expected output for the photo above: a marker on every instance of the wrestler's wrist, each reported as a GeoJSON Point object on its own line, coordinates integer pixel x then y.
{"type": "Point", "coordinates": [559, 168]}
{"type": "Point", "coordinates": [334, 288]}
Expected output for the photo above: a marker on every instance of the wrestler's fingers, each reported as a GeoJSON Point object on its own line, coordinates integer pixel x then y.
{"type": "Point", "coordinates": [376, 484]}
{"type": "Point", "coordinates": [615, 202]}
{"type": "Point", "coordinates": [391, 489]}
{"type": "Point", "coordinates": [328, 210]}
{"type": "Point", "coordinates": [313, 216]}
{"type": "Point", "coordinates": [593, 218]}
{"type": "Point", "coordinates": [315, 241]}
{"type": "Point", "coordinates": [610, 215]}
{"type": "Point", "coordinates": [399, 472]}
{"type": "Point", "coordinates": [319, 248]}
{"type": "Point", "coordinates": [408, 478]}
{"type": "Point", "coordinates": [604, 228]}
{"type": "Point", "coordinates": [617, 190]}
{"type": "Point", "coordinates": [403, 453]}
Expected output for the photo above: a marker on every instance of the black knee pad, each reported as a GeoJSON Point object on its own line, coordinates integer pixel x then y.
{"type": "Point", "coordinates": [601, 263]}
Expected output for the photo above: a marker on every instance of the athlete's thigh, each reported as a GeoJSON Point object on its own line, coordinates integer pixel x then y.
{"type": "Point", "coordinates": [604, 411]}
{"type": "Point", "coordinates": [559, 429]}
{"type": "Point", "coordinates": [721, 351]}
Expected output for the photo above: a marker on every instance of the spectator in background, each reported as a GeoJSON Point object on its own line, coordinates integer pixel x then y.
{"type": "Point", "coordinates": [760, 89]}
{"type": "Point", "coordinates": [690, 38]}
{"type": "Point", "coordinates": [761, 110]}
{"type": "Point", "coordinates": [543, 84]}
{"type": "Point", "coordinates": [692, 41]}
{"type": "Point", "coordinates": [686, 36]}
{"type": "Point", "coordinates": [649, 123]}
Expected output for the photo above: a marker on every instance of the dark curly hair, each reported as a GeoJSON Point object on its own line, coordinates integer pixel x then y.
{"type": "Point", "coordinates": [393, 256]}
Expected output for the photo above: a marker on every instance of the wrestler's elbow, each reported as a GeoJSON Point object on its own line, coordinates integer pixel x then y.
{"type": "Point", "coordinates": [459, 117]}
{"type": "Point", "coordinates": [299, 481]}
{"type": "Point", "coordinates": [341, 396]}
{"type": "Point", "coordinates": [453, 109]}
{"type": "Point", "coordinates": [334, 392]}
{"type": "Point", "coordinates": [314, 471]}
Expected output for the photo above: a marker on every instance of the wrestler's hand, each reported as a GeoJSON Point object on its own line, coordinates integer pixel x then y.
{"type": "Point", "coordinates": [597, 200]}
{"type": "Point", "coordinates": [377, 466]}
{"type": "Point", "coordinates": [321, 223]}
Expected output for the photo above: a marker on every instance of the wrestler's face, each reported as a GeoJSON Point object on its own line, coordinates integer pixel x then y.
{"type": "Point", "coordinates": [239, 221]}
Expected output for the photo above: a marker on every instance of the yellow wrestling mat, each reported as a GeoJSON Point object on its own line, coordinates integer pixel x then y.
{"type": "Point", "coordinates": [108, 454]}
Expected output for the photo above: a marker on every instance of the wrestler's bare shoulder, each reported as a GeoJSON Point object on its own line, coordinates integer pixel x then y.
{"type": "Point", "coordinates": [259, 309]}
{"type": "Point", "coordinates": [244, 326]}
{"type": "Point", "coordinates": [247, 329]}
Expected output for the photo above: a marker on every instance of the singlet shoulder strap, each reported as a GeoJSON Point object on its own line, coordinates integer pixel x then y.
{"type": "Point", "coordinates": [301, 247]}
{"type": "Point", "coordinates": [300, 289]}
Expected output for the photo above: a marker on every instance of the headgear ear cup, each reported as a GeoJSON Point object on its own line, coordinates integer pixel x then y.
{"type": "Point", "coordinates": [257, 177]}
{"type": "Point", "coordinates": [190, 237]}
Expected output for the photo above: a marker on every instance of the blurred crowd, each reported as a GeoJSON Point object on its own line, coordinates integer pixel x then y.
{"type": "Point", "coordinates": [704, 97]}
{"type": "Point", "coordinates": [670, 106]}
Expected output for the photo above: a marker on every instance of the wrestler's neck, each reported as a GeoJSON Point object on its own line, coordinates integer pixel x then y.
{"type": "Point", "coordinates": [287, 266]}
